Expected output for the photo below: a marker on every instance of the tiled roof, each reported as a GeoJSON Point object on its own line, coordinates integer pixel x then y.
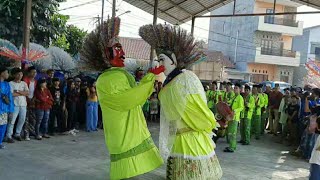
{"type": "Point", "coordinates": [218, 56]}
{"type": "Point", "coordinates": [135, 48]}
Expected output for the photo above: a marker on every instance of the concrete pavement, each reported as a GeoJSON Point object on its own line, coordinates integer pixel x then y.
{"type": "Point", "coordinates": [85, 157]}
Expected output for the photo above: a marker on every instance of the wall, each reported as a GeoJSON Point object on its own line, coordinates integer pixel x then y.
{"type": "Point", "coordinates": [287, 42]}
{"type": "Point", "coordinates": [223, 33]}
{"type": "Point", "coordinates": [208, 70]}
{"type": "Point", "coordinates": [275, 37]}
{"type": "Point", "coordinates": [266, 69]}
{"type": "Point", "coordinates": [261, 7]}
{"type": "Point", "coordinates": [286, 71]}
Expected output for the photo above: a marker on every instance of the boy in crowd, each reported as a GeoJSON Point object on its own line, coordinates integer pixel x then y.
{"type": "Point", "coordinates": [256, 117]}
{"type": "Point", "coordinates": [20, 91]}
{"type": "Point", "coordinates": [29, 126]}
{"type": "Point", "coordinates": [57, 109]}
{"type": "Point", "coordinates": [237, 106]}
{"type": "Point", "coordinates": [245, 124]}
{"type": "Point", "coordinates": [212, 97]}
{"type": "Point", "coordinates": [274, 103]}
{"type": "Point", "coordinates": [229, 95]}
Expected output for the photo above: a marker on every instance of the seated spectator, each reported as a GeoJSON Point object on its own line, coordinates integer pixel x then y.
{"type": "Point", "coordinates": [154, 107]}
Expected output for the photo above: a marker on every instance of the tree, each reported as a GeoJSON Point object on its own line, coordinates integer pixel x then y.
{"type": "Point", "coordinates": [46, 26]}
{"type": "Point", "coordinates": [75, 38]}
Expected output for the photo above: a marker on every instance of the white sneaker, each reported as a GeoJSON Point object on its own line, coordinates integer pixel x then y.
{"type": "Point", "coordinates": [27, 139]}
{"type": "Point", "coordinates": [75, 130]}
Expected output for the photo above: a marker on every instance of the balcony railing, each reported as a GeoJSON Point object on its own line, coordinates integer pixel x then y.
{"type": "Point", "coordinates": [280, 21]}
{"type": "Point", "coordinates": [278, 52]}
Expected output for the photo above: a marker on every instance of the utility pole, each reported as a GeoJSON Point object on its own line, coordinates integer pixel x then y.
{"type": "Point", "coordinates": [236, 48]}
{"type": "Point", "coordinates": [155, 16]}
{"type": "Point", "coordinates": [26, 31]}
{"type": "Point", "coordinates": [114, 9]}
{"type": "Point", "coordinates": [102, 13]}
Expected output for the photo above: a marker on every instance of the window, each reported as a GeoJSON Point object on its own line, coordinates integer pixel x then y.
{"type": "Point", "coordinates": [315, 46]}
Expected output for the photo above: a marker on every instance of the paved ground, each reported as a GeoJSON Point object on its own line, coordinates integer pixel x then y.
{"type": "Point", "coordinates": [84, 157]}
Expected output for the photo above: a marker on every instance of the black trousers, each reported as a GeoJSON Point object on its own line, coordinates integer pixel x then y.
{"type": "Point", "coordinates": [72, 116]}
{"type": "Point", "coordinates": [56, 113]}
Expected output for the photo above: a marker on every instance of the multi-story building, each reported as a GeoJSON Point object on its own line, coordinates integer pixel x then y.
{"type": "Point", "coordinates": [260, 46]}
{"type": "Point", "coordinates": [309, 46]}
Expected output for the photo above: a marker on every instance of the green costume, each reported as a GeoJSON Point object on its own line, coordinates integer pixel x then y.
{"type": "Point", "coordinates": [228, 97]}
{"type": "Point", "coordinates": [127, 137]}
{"type": "Point", "coordinates": [237, 105]}
{"type": "Point", "coordinates": [264, 112]}
{"type": "Point", "coordinates": [256, 117]}
{"type": "Point", "coordinates": [245, 124]}
{"type": "Point", "coordinates": [186, 125]}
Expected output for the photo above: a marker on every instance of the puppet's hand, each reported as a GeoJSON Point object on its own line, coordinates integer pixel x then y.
{"type": "Point", "coordinates": [157, 70]}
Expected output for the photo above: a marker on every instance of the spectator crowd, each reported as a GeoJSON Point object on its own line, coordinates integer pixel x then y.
{"type": "Point", "coordinates": [46, 106]}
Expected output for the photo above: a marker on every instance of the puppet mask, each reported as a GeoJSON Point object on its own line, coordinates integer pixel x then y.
{"type": "Point", "coordinates": [170, 63]}
{"type": "Point", "coordinates": [118, 56]}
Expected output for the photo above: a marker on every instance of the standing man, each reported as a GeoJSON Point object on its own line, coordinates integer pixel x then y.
{"type": "Point", "coordinates": [230, 93]}
{"type": "Point", "coordinates": [19, 90]}
{"type": "Point", "coordinates": [245, 124]}
{"type": "Point", "coordinates": [256, 118]}
{"type": "Point", "coordinates": [57, 109]}
{"type": "Point", "coordinates": [237, 105]}
{"type": "Point", "coordinates": [29, 126]}
{"type": "Point", "coordinates": [264, 112]}
{"type": "Point", "coordinates": [275, 100]}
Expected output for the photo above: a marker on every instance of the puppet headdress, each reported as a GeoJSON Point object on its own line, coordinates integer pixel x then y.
{"type": "Point", "coordinates": [168, 39]}
{"type": "Point", "coordinates": [96, 52]}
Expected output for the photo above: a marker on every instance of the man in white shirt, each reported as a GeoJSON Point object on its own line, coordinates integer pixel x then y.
{"type": "Point", "coordinates": [19, 91]}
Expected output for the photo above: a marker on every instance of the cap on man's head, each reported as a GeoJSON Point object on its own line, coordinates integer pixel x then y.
{"type": "Point", "coordinates": [277, 85]}
{"type": "Point", "coordinates": [247, 87]}
{"type": "Point", "coordinates": [77, 80]}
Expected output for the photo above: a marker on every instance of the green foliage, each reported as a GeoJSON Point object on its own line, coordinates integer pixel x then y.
{"type": "Point", "coordinates": [62, 43]}
{"type": "Point", "coordinates": [48, 27]}
{"type": "Point", "coordinates": [75, 38]}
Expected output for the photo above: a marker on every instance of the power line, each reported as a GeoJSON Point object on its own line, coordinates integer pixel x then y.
{"type": "Point", "coordinates": [79, 5]}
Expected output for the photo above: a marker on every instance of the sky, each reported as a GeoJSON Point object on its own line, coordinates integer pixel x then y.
{"type": "Point", "coordinates": [85, 17]}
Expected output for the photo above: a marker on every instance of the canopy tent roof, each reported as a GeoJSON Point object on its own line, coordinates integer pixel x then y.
{"type": "Point", "coordinates": [177, 12]}
{"type": "Point", "coordinates": [311, 3]}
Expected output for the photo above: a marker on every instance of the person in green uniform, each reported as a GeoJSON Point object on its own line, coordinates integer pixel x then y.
{"type": "Point", "coordinates": [229, 93]}
{"type": "Point", "coordinates": [237, 106]}
{"type": "Point", "coordinates": [264, 109]}
{"type": "Point", "coordinates": [213, 97]}
{"type": "Point", "coordinates": [245, 124]}
{"type": "Point", "coordinates": [222, 90]}
{"type": "Point", "coordinates": [256, 117]}
{"type": "Point", "coordinates": [132, 150]}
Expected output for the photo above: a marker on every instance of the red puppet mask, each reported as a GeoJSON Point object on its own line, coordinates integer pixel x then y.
{"type": "Point", "coordinates": [117, 55]}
